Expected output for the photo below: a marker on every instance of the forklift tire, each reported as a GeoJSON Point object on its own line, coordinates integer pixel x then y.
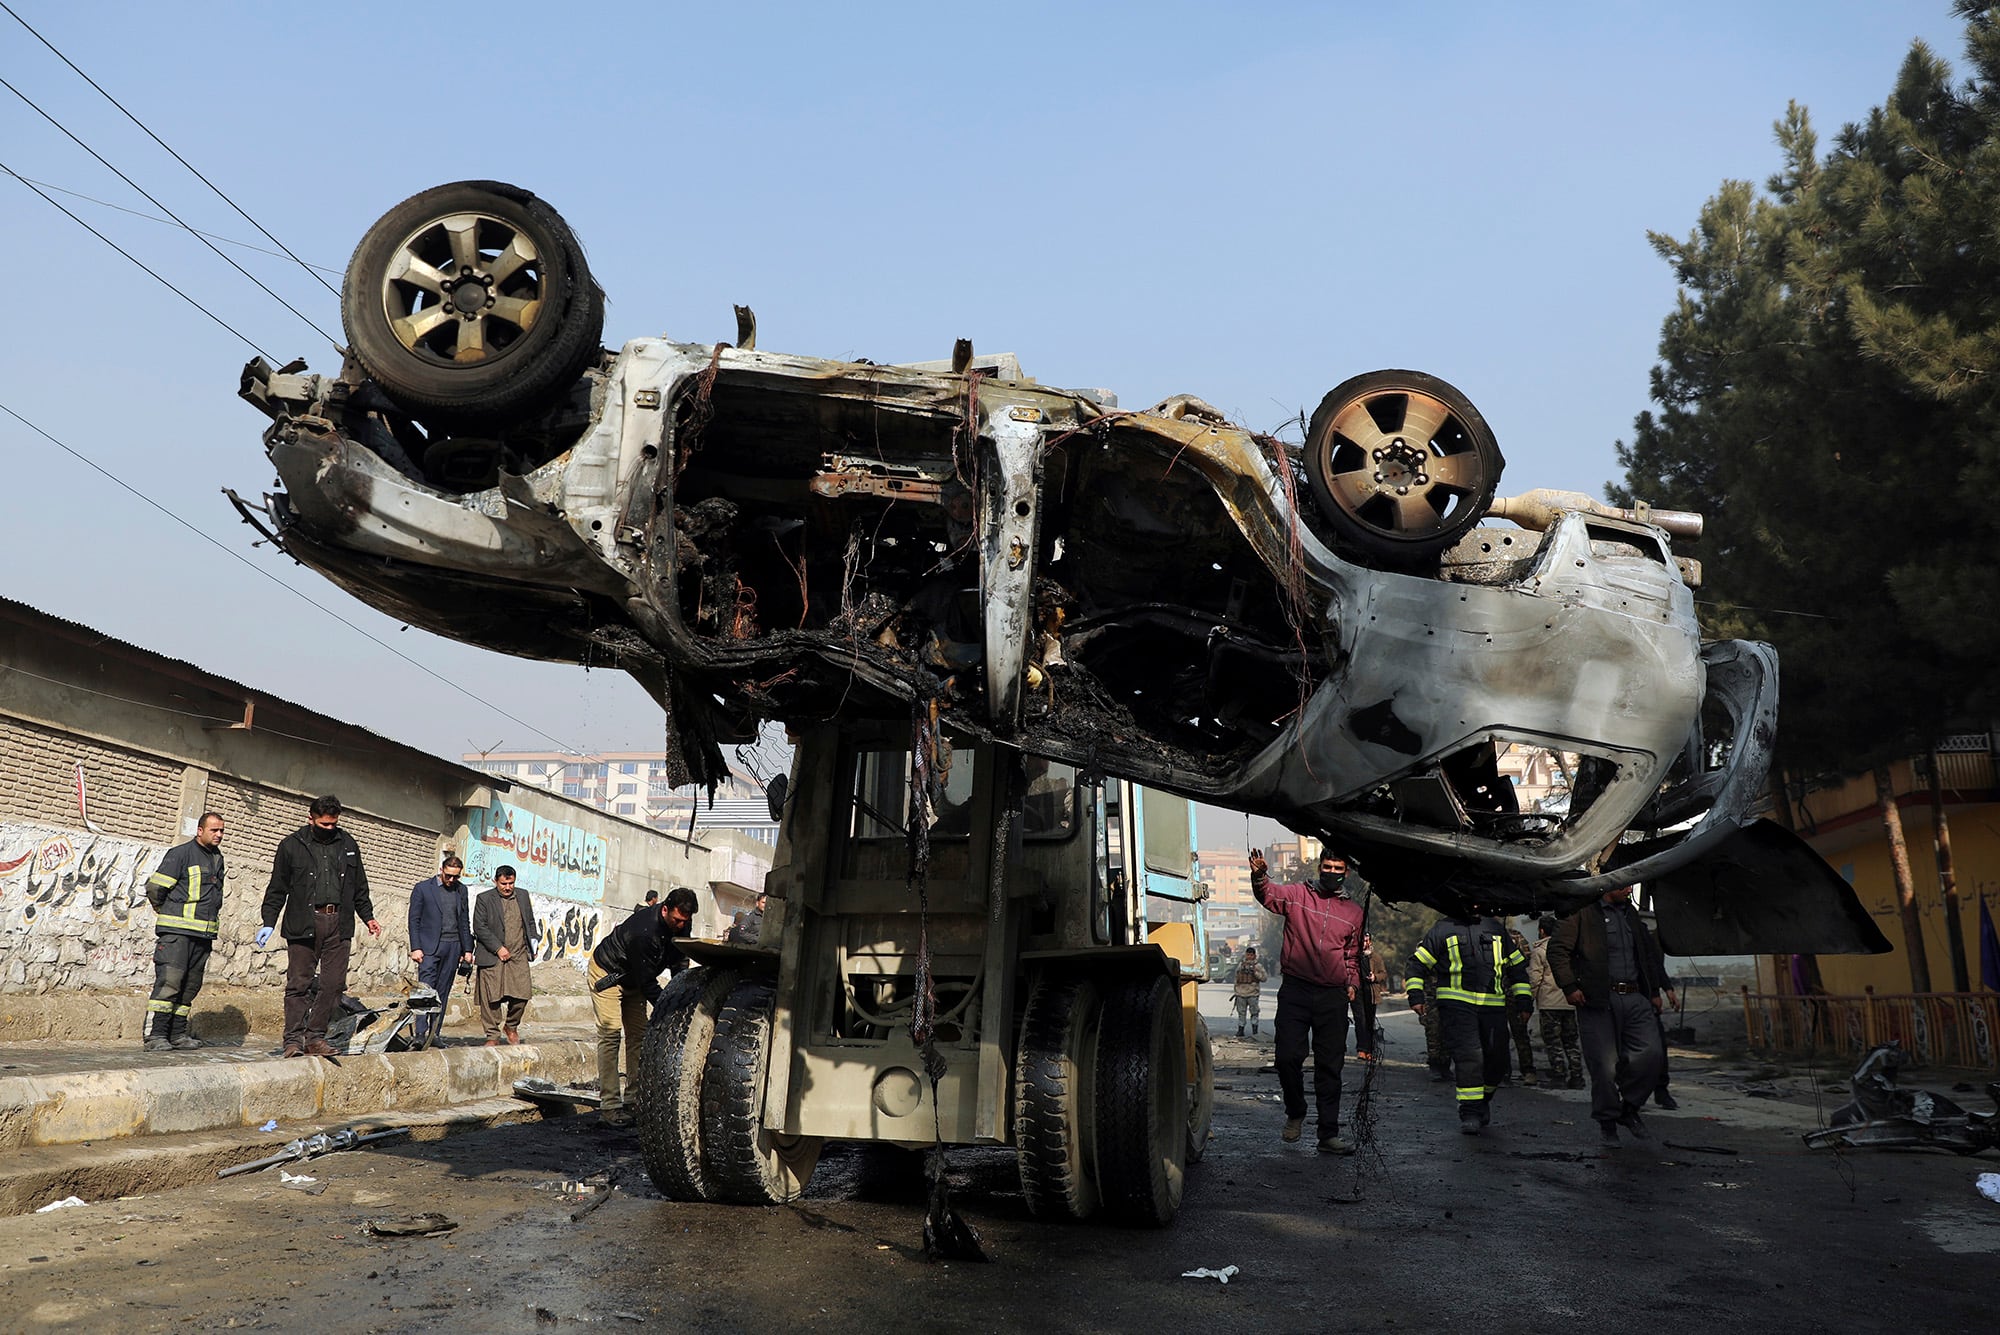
{"type": "Point", "coordinates": [749, 1164]}
{"type": "Point", "coordinates": [1054, 1077]}
{"type": "Point", "coordinates": [671, 1062]}
{"type": "Point", "coordinates": [1201, 1092]}
{"type": "Point", "coordinates": [1142, 1103]}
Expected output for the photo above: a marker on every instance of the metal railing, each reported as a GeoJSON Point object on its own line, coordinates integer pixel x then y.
{"type": "Point", "coordinates": [1936, 1028]}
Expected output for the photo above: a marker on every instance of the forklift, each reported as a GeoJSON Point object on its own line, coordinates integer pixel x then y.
{"type": "Point", "coordinates": [1059, 924]}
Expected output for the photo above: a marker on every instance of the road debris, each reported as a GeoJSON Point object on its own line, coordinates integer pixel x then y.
{"type": "Point", "coordinates": [1989, 1186]}
{"type": "Point", "coordinates": [1883, 1116]}
{"type": "Point", "coordinates": [1203, 1272]}
{"type": "Point", "coordinates": [310, 1147]}
{"type": "Point", "coordinates": [558, 1100]}
{"type": "Point", "coordinates": [311, 1186]}
{"type": "Point", "coordinates": [62, 1204]}
{"type": "Point", "coordinates": [1697, 1149]}
{"type": "Point", "coordinates": [430, 1224]}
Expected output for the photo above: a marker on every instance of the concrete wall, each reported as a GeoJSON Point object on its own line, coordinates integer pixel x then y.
{"type": "Point", "coordinates": [158, 742]}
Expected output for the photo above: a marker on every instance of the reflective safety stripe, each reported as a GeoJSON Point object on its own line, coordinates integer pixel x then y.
{"type": "Point", "coordinates": [1470, 998]}
{"type": "Point", "coordinates": [163, 1007]}
{"type": "Point", "coordinates": [1424, 956]}
{"type": "Point", "coordinates": [164, 882]}
{"type": "Point", "coordinates": [187, 922]}
{"type": "Point", "coordinates": [194, 885]}
{"type": "Point", "coordinates": [1472, 1093]}
{"type": "Point", "coordinates": [182, 1010]}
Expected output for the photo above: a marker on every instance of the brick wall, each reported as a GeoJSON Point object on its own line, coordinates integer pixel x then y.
{"type": "Point", "coordinates": [132, 794]}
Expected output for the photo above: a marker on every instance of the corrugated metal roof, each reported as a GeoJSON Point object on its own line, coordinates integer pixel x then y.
{"type": "Point", "coordinates": [35, 619]}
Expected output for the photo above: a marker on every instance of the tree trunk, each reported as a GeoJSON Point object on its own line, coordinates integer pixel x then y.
{"type": "Point", "coordinates": [1781, 807]}
{"type": "Point", "coordinates": [1906, 890]}
{"type": "Point", "coordinates": [1954, 930]}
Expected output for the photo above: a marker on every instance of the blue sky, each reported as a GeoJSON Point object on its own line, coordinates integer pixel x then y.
{"type": "Point", "coordinates": [1247, 203]}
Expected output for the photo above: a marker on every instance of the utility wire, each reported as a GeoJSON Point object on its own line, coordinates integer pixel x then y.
{"type": "Point", "coordinates": [169, 222]}
{"type": "Point", "coordinates": [82, 458]}
{"type": "Point", "coordinates": [170, 152]}
{"type": "Point", "coordinates": [169, 212]}
{"type": "Point", "coordinates": [136, 260]}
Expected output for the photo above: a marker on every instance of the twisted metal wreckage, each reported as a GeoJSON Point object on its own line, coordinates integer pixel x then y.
{"type": "Point", "coordinates": [755, 535]}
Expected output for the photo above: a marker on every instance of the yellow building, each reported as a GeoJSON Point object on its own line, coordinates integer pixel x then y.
{"type": "Point", "coordinates": [1843, 823]}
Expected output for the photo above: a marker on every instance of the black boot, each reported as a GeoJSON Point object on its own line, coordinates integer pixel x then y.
{"type": "Point", "coordinates": [179, 1037]}
{"type": "Point", "coordinates": [158, 1033]}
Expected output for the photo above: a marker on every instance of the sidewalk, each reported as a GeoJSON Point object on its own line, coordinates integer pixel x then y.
{"type": "Point", "coordinates": [100, 1117]}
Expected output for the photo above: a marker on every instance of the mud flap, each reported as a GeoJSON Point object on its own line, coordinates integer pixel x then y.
{"type": "Point", "coordinates": [1762, 891]}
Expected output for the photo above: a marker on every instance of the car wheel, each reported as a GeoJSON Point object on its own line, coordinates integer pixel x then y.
{"type": "Point", "coordinates": [671, 1062]}
{"type": "Point", "coordinates": [1403, 465]}
{"type": "Point", "coordinates": [471, 302]}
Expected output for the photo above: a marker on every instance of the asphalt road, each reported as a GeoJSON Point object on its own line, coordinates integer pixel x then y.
{"type": "Point", "coordinates": [1722, 1222]}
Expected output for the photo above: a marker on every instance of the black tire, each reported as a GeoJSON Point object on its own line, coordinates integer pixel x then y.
{"type": "Point", "coordinates": [748, 1164]}
{"type": "Point", "coordinates": [1141, 1103]}
{"type": "Point", "coordinates": [1402, 464]}
{"type": "Point", "coordinates": [1055, 1097]}
{"type": "Point", "coordinates": [533, 328]}
{"type": "Point", "coordinates": [1201, 1092]}
{"type": "Point", "coordinates": [671, 1062]}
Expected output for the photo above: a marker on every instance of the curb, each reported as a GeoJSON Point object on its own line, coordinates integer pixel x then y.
{"type": "Point", "coordinates": [77, 1107]}
{"type": "Point", "coordinates": [100, 1175]}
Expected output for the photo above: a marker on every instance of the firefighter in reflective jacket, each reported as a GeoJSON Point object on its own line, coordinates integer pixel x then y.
{"type": "Point", "coordinates": [186, 894]}
{"type": "Point", "coordinates": [1475, 972]}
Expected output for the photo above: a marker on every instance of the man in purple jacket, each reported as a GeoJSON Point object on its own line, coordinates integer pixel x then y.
{"type": "Point", "coordinates": [1321, 964]}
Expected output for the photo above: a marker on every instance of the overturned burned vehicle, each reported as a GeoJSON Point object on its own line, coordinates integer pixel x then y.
{"type": "Point", "coordinates": [1324, 633]}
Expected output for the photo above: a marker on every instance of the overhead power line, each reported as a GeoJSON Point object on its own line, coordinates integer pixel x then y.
{"type": "Point", "coordinates": [169, 212]}
{"type": "Point", "coordinates": [112, 477]}
{"type": "Point", "coordinates": [136, 260]}
{"type": "Point", "coordinates": [167, 222]}
{"type": "Point", "coordinates": [163, 144]}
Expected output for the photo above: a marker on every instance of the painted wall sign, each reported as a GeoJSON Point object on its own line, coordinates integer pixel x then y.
{"type": "Point", "coordinates": [550, 858]}
{"type": "Point", "coordinates": [50, 875]}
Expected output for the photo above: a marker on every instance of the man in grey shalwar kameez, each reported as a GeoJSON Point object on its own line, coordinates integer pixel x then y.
{"type": "Point", "coordinates": [503, 941]}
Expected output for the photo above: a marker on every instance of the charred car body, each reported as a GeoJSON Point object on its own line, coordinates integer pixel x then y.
{"type": "Point", "coordinates": [1326, 635]}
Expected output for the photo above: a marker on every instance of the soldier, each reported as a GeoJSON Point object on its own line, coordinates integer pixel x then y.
{"type": "Point", "coordinates": [186, 895]}
{"type": "Point", "coordinates": [1517, 1019]}
{"type": "Point", "coordinates": [1248, 994]}
{"type": "Point", "coordinates": [1476, 974]}
{"type": "Point", "coordinates": [1558, 1016]}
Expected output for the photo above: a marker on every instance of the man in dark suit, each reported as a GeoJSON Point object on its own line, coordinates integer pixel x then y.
{"type": "Point", "coordinates": [440, 934]}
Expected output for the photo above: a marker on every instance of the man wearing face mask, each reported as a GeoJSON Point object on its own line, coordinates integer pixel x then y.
{"type": "Point", "coordinates": [318, 884]}
{"type": "Point", "coordinates": [1321, 964]}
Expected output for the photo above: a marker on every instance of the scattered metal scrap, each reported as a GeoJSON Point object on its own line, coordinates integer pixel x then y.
{"type": "Point", "coordinates": [1883, 1116]}
{"type": "Point", "coordinates": [311, 1147]}
{"type": "Point", "coordinates": [558, 1100]}
{"type": "Point", "coordinates": [430, 1224]}
{"type": "Point", "coordinates": [358, 1027]}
